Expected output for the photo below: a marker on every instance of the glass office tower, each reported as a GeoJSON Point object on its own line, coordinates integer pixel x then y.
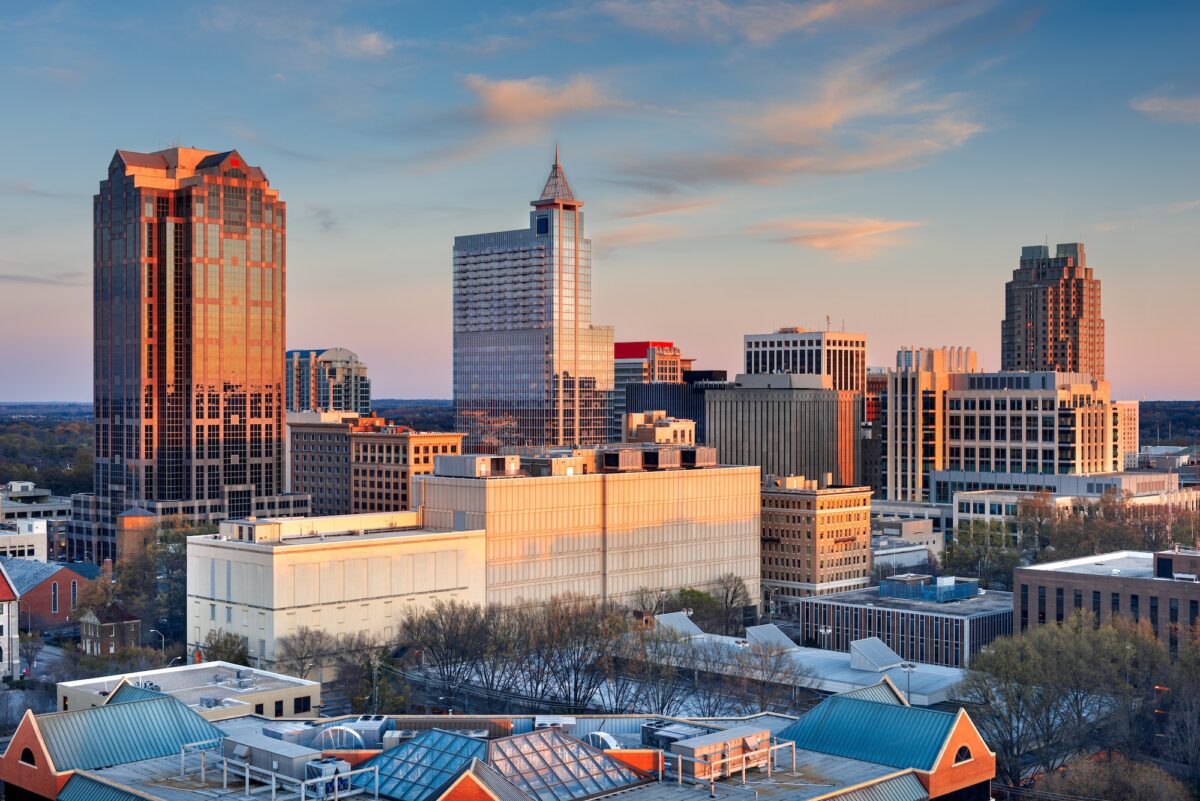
{"type": "Point", "coordinates": [189, 343]}
{"type": "Point", "coordinates": [530, 369]}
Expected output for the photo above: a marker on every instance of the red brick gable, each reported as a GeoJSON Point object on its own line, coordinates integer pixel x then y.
{"type": "Point", "coordinates": [949, 773]}
{"type": "Point", "coordinates": [7, 593]}
{"type": "Point", "coordinates": [39, 778]}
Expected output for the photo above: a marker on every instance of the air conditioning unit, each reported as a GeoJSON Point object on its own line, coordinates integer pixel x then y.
{"type": "Point", "coordinates": [210, 702]}
{"type": "Point", "coordinates": [245, 684]}
{"type": "Point", "coordinates": [333, 771]}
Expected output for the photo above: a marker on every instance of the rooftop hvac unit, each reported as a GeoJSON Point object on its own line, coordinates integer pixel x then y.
{"type": "Point", "coordinates": [478, 734]}
{"type": "Point", "coordinates": [242, 673]}
{"type": "Point", "coordinates": [296, 733]}
{"type": "Point", "coordinates": [333, 771]}
{"type": "Point", "coordinates": [245, 684]}
{"type": "Point", "coordinates": [209, 702]}
{"type": "Point", "coordinates": [392, 739]}
{"type": "Point", "coordinates": [370, 727]}
{"type": "Point", "coordinates": [563, 722]}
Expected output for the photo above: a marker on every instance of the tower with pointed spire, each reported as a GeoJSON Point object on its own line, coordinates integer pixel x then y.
{"type": "Point", "coordinates": [530, 369]}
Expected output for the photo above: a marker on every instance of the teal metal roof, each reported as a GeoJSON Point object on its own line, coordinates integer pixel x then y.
{"type": "Point", "coordinates": [131, 692]}
{"type": "Point", "coordinates": [905, 787]}
{"type": "Point", "coordinates": [880, 693]}
{"type": "Point", "coordinates": [85, 787]}
{"type": "Point", "coordinates": [113, 734]}
{"type": "Point", "coordinates": [886, 734]}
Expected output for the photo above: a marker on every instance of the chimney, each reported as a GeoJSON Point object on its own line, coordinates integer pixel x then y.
{"type": "Point", "coordinates": [106, 567]}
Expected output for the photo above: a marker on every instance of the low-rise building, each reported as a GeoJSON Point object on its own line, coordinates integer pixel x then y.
{"type": "Point", "coordinates": [361, 464]}
{"type": "Point", "coordinates": [1161, 588]}
{"type": "Point", "coordinates": [607, 523]}
{"type": "Point", "coordinates": [940, 516]}
{"type": "Point", "coordinates": [263, 579]}
{"type": "Point", "coordinates": [105, 630]}
{"type": "Point", "coordinates": [10, 657]}
{"type": "Point", "coordinates": [22, 501]}
{"type": "Point", "coordinates": [815, 538]}
{"type": "Point", "coordinates": [214, 690]}
{"type": "Point", "coordinates": [942, 621]}
{"type": "Point", "coordinates": [49, 591]}
{"type": "Point", "coordinates": [658, 428]}
{"type": "Point", "coordinates": [898, 543]}
{"type": "Point", "coordinates": [24, 539]}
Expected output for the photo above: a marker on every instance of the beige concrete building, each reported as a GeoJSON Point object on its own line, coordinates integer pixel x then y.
{"type": "Point", "coordinates": [816, 538]}
{"type": "Point", "coordinates": [359, 464]}
{"type": "Point", "coordinates": [837, 354]}
{"type": "Point", "coordinates": [1128, 439]}
{"type": "Point", "coordinates": [787, 425]}
{"type": "Point", "coordinates": [263, 579]}
{"type": "Point", "coordinates": [656, 428]}
{"type": "Point", "coordinates": [214, 690]}
{"type": "Point", "coordinates": [602, 523]}
{"type": "Point", "coordinates": [913, 418]}
{"type": "Point", "coordinates": [24, 539]}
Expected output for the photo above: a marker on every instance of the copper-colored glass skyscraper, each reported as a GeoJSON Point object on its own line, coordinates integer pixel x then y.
{"type": "Point", "coordinates": [530, 369]}
{"type": "Point", "coordinates": [1052, 314]}
{"type": "Point", "coordinates": [189, 272]}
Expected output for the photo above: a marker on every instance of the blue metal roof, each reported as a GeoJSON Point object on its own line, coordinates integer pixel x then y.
{"type": "Point", "coordinates": [905, 787]}
{"type": "Point", "coordinates": [26, 573]}
{"type": "Point", "coordinates": [417, 769]}
{"type": "Point", "coordinates": [886, 734]}
{"type": "Point", "coordinates": [131, 692]}
{"type": "Point", "coordinates": [113, 734]}
{"type": "Point", "coordinates": [881, 693]}
{"type": "Point", "coordinates": [85, 787]}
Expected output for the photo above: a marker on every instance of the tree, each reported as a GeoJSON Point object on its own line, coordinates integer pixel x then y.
{"type": "Point", "coordinates": [705, 608]}
{"type": "Point", "coordinates": [1114, 779]}
{"type": "Point", "coordinates": [30, 646]}
{"type": "Point", "coordinates": [984, 550]}
{"type": "Point", "coordinates": [1183, 708]}
{"type": "Point", "coordinates": [733, 598]}
{"type": "Point", "coordinates": [97, 594]}
{"type": "Point", "coordinates": [303, 650]}
{"type": "Point", "coordinates": [225, 646]}
{"type": "Point", "coordinates": [577, 630]}
{"type": "Point", "coordinates": [716, 688]}
{"type": "Point", "coordinates": [367, 677]}
{"type": "Point", "coordinates": [771, 677]}
{"type": "Point", "coordinates": [451, 637]}
{"type": "Point", "coordinates": [500, 660]}
{"type": "Point", "coordinates": [667, 682]}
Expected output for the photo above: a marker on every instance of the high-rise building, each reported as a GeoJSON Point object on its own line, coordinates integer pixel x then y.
{"type": "Point", "coordinates": [841, 356]}
{"type": "Point", "coordinates": [683, 401]}
{"type": "Point", "coordinates": [530, 369]}
{"type": "Point", "coordinates": [189, 322]}
{"type": "Point", "coordinates": [816, 538]}
{"type": "Point", "coordinates": [1052, 314]}
{"type": "Point", "coordinates": [788, 425]}
{"type": "Point", "coordinates": [913, 416]}
{"type": "Point", "coordinates": [327, 380]}
{"type": "Point", "coordinates": [361, 464]}
{"type": "Point", "coordinates": [643, 363]}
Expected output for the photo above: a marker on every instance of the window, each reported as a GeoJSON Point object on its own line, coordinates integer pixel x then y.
{"type": "Point", "coordinates": [27, 757]}
{"type": "Point", "coordinates": [258, 709]}
{"type": "Point", "coordinates": [74, 593]}
{"type": "Point", "coordinates": [301, 705]}
{"type": "Point", "coordinates": [212, 611]}
{"type": "Point", "coordinates": [54, 597]}
{"type": "Point", "coordinates": [279, 709]}
{"type": "Point", "coordinates": [963, 754]}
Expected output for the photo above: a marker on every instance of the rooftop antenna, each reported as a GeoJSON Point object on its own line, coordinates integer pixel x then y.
{"type": "Point", "coordinates": [556, 152]}
{"type": "Point", "coordinates": [828, 324]}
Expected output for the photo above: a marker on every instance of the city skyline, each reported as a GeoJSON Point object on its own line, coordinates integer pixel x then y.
{"type": "Point", "coordinates": [874, 174]}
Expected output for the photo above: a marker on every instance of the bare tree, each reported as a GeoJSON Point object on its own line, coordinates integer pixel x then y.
{"type": "Point", "coordinates": [667, 679]}
{"type": "Point", "coordinates": [365, 675]}
{"type": "Point", "coordinates": [581, 629]}
{"type": "Point", "coordinates": [626, 671]}
{"type": "Point", "coordinates": [30, 646]}
{"type": "Point", "coordinates": [771, 676]}
{"type": "Point", "coordinates": [303, 650]}
{"type": "Point", "coordinates": [225, 646]}
{"type": "Point", "coordinates": [733, 598]}
{"type": "Point", "coordinates": [499, 663]}
{"type": "Point", "coordinates": [716, 688]}
{"type": "Point", "coordinates": [451, 638]}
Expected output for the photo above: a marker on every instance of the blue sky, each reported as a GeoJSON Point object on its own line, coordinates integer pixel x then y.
{"type": "Point", "coordinates": [744, 166]}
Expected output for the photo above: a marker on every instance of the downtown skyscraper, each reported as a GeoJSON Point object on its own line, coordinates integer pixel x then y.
{"type": "Point", "coordinates": [530, 369]}
{"type": "Point", "coordinates": [189, 298]}
{"type": "Point", "coordinates": [1052, 314]}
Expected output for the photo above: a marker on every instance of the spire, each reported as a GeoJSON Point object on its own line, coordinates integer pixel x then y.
{"type": "Point", "coordinates": [556, 188]}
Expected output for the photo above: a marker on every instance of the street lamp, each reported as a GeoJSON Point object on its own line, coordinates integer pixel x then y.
{"type": "Point", "coordinates": [825, 631]}
{"type": "Point", "coordinates": [449, 708]}
{"type": "Point", "coordinates": [173, 661]}
{"type": "Point", "coordinates": [164, 642]}
{"type": "Point", "coordinates": [908, 668]}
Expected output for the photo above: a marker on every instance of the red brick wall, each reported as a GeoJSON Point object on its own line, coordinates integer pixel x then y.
{"type": "Point", "coordinates": [466, 789]}
{"type": "Point", "coordinates": [38, 600]}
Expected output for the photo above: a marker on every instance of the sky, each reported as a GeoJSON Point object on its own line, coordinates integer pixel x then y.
{"type": "Point", "coordinates": [744, 166]}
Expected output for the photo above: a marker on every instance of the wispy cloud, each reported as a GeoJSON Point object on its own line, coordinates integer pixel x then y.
{"type": "Point", "coordinates": [362, 44]}
{"type": "Point", "coordinates": [760, 22]}
{"type": "Point", "coordinates": [851, 238]}
{"type": "Point", "coordinates": [62, 278]}
{"type": "Point", "coordinates": [667, 207]}
{"type": "Point", "coordinates": [1170, 108]}
{"type": "Point", "coordinates": [249, 135]}
{"type": "Point", "coordinates": [308, 29]}
{"type": "Point", "coordinates": [26, 189]}
{"type": "Point", "coordinates": [639, 233]}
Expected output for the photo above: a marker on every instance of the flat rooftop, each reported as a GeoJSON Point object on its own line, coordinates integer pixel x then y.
{"type": "Point", "coordinates": [990, 602]}
{"type": "Point", "coordinates": [190, 683]}
{"type": "Point", "coordinates": [1131, 564]}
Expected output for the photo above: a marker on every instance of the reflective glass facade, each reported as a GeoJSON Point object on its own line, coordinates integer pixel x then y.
{"type": "Point", "coordinates": [189, 330]}
{"type": "Point", "coordinates": [530, 369]}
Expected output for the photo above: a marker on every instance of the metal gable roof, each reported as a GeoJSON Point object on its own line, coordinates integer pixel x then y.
{"type": "Point", "coordinates": [496, 784]}
{"type": "Point", "coordinates": [85, 787]}
{"type": "Point", "coordinates": [886, 734]}
{"type": "Point", "coordinates": [25, 574]}
{"type": "Point", "coordinates": [905, 787]}
{"type": "Point", "coordinates": [127, 693]}
{"type": "Point", "coordinates": [769, 635]}
{"type": "Point", "coordinates": [114, 734]}
{"type": "Point", "coordinates": [881, 693]}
